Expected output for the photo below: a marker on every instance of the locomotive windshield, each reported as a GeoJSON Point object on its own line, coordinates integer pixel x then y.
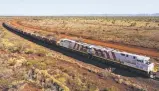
{"type": "Point", "coordinates": [140, 61]}
{"type": "Point", "coordinates": [147, 62]}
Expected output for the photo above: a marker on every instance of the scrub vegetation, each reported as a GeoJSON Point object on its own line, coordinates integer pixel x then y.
{"type": "Point", "coordinates": [134, 31]}
{"type": "Point", "coordinates": [28, 66]}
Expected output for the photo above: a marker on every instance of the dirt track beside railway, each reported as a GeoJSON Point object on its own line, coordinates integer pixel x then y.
{"type": "Point", "coordinates": [131, 49]}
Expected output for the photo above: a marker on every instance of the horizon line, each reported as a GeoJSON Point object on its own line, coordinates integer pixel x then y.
{"type": "Point", "coordinates": [139, 14]}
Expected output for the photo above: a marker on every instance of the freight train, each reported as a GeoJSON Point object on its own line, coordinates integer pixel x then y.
{"type": "Point", "coordinates": [136, 62]}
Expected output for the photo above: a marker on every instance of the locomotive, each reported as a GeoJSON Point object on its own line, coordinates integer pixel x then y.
{"type": "Point", "coordinates": [140, 63]}
{"type": "Point", "coordinates": [131, 61]}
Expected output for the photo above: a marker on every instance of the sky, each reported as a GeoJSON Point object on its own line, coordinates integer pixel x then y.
{"type": "Point", "coordinates": [66, 7]}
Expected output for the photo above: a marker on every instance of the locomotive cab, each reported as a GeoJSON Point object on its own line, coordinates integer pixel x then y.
{"type": "Point", "coordinates": [144, 64]}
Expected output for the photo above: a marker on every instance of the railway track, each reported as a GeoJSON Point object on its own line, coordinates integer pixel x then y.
{"type": "Point", "coordinates": [131, 49]}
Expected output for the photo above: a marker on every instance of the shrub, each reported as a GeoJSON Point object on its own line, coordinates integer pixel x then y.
{"type": "Point", "coordinates": [133, 24]}
{"type": "Point", "coordinates": [2, 34]}
{"type": "Point", "coordinates": [146, 24]}
{"type": "Point", "coordinates": [61, 79]}
{"type": "Point", "coordinates": [36, 63]}
{"type": "Point", "coordinates": [15, 49]}
{"type": "Point", "coordinates": [41, 52]}
{"type": "Point", "coordinates": [11, 46]}
{"type": "Point", "coordinates": [28, 51]}
{"type": "Point", "coordinates": [104, 74]}
{"type": "Point", "coordinates": [11, 62]}
{"type": "Point", "coordinates": [112, 88]}
{"type": "Point", "coordinates": [4, 82]}
{"type": "Point", "coordinates": [113, 22]}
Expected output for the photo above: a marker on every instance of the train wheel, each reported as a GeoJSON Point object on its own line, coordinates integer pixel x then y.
{"type": "Point", "coordinates": [89, 56]}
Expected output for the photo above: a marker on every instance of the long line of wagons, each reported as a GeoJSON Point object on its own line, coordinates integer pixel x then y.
{"type": "Point", "coordinates": [136, 62]}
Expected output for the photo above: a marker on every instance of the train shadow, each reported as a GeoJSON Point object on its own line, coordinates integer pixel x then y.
{"type": "Point", "coordinates": [79, 57]}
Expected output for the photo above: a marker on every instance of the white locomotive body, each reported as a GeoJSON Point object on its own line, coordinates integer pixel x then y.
{"type": "Point", "coordinates": [138, 62]}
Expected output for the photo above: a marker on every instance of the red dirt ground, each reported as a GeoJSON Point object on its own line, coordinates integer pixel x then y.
{"type": "Point", "coordinates": [137, 50]}
{"type": "Point", "coordinates": [28, 87]}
